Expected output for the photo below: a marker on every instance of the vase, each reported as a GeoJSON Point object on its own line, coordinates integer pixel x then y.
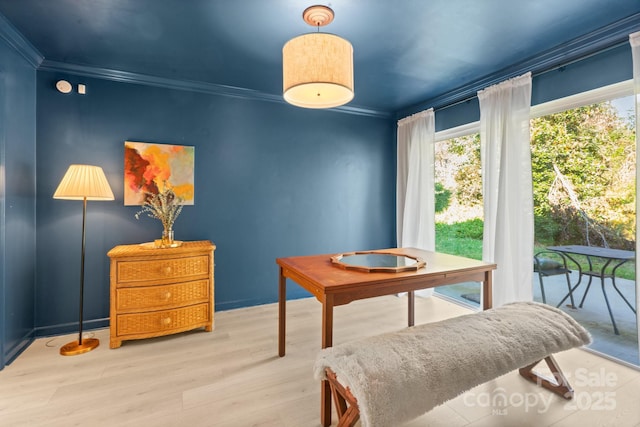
{"type": "Point", "coordinates": [167, 237]}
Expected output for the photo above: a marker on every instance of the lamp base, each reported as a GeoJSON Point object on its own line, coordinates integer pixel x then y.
{"type": "Point", "coordinates": [74, 348]}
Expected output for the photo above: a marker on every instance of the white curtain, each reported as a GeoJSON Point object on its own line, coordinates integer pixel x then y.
{"type": "Point", "coordinates": [507, 187]}
{"type": "Point", "coordinates": [634, 39]}
{"type": "Point", "coordinates": [415, 185]}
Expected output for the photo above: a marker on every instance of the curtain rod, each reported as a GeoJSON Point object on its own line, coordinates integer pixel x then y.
{"type": "Point", "coordinates": [534, 73]}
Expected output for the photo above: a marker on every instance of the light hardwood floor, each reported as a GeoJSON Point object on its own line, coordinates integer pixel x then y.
{"type": "Point", "coordinates": [232, 377]}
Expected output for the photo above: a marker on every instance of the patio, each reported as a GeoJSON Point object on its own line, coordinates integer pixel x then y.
{"type": "Point", "coordinates": [593, 315]}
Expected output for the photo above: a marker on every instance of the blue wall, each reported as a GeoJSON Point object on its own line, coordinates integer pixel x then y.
{"type": "Point", "coordinates": [611, 66]}
{"type": "Point", "coordinates": [271, 180]}
{"type": "Point", "coordinates": [607, 67]}
{"type": "Point", "coordinates": [17, 202]}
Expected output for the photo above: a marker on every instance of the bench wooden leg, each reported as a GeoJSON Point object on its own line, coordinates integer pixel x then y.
{"type": "Point", "coordinates": [559, 384]}
{"type": "Point", "coordinates": [346, 403]}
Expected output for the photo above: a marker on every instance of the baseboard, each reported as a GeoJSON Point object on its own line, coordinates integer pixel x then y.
{"type": "Point", "coordinates": [69, 328]}
{"type": "Point", "coordinates": [17, 349]}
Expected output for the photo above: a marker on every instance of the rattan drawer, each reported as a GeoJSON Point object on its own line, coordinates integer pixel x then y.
{"type": "Point", "coordinates": [132, 273]}
{"type": "Point", "coordinates": [158, 291]}
{"type": "Point", "coordinates": [162, 297]}
{"type": "Point", "coordinates": [163, 322]}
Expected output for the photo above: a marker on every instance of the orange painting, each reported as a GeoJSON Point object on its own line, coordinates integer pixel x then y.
{"type": "Point", "coordinates": [152, 168]}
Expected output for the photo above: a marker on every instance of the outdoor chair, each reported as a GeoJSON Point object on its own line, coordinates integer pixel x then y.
{"type": "Point", "coordinates": [550, 263]}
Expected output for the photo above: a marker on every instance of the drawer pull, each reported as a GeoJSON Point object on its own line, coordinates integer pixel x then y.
{"type": "Point", "coordinates": [167, 295]}
{"type": "Point", "coordinates": [166, 321]}
{"type": "Point", "coordinates": [167, 270]}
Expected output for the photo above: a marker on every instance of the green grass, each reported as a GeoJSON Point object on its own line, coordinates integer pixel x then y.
{"type": "Point", "coordinates": [460, 238]}
{"type": "Point", "coordinates": [465, 239]}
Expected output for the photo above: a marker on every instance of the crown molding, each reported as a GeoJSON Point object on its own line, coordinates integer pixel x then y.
{"type": "Point", "coordinates": [600, 40]}
{"type": "Point", "coordinates": [604, 38]}
{"type": "Point", "coordinates": [19, 43]}
{"type": "Point", "coordinates": [149, 80]}
{"type": "Point", "coordinates": [187, 85]}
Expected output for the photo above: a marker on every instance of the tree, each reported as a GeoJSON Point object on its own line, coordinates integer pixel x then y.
{"type": "Point", "coordinates": [594, 149]}
{"type": "Point", "coordinates": [458, 171]}
{"type": "Point", "coordinates": [592, 194]}
{"type": "Point", "coordinates": [443, 197]}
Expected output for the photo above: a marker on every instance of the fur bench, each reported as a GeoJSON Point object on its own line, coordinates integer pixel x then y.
{"type": "Point", "coordinates": [392, 378]}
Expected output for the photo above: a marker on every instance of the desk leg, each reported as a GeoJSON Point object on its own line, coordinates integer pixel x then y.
{"type": "Point", "coordinates": [282, 313]}
{"type": "Point", "coordinates": [487, 290]}
{"type": "Point", "coordinates": [327, 341]}
{"type": "Point", "coordinates": [411, 317]}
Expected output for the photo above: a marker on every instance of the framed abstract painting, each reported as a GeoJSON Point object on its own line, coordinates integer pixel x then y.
{"type": "Point", "coordinates": [152, 168]}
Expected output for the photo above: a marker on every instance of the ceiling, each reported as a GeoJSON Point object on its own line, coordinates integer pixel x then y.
{"type": "Point", "coordinates": [406, 52]}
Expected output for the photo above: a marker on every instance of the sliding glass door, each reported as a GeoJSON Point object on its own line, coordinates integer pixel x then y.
{"type": "Point", "coordinates": [584, 174]}
{"type": "Point", "coordinates": [584, 183]}
{"type": "Point", "coordinates": [459, 216]}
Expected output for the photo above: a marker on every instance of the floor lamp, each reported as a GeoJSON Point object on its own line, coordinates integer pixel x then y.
{"type": "Point", "coordinates": [83, 182]}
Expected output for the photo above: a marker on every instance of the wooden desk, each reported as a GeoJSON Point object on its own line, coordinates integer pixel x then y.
{"type": "Point", "coordinates": [334, 286]}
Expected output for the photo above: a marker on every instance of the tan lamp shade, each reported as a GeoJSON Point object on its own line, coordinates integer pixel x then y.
{"type": "Point", "coordinates": [317, 71]}
{"type": "Point", "coordinates": [82, 181]}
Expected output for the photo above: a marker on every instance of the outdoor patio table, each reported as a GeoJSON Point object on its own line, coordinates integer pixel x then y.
{"type": "Point", "coordinates": [613, 259]}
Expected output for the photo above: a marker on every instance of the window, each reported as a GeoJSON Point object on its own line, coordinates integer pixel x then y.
{"type": "Point", "coordinates": [584, 170]}
{"type": "Point", "coordinates": [459, 207]}
{"type": "Point", "coordinates": [583, 154]}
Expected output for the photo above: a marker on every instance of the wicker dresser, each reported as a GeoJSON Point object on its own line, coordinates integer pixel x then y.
{"type": "Point", "coordinates": [158, 292]}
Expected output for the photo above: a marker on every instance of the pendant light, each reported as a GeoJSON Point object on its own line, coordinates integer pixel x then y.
{"type": "Point", "coordinates": [317, 68]}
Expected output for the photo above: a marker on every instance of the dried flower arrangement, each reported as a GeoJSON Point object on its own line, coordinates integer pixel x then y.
{"type": "Point", "coordinates": [164, 206]}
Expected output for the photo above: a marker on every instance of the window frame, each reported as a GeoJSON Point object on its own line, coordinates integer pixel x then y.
{"type": "Point", "coordinates": [594, 96]}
